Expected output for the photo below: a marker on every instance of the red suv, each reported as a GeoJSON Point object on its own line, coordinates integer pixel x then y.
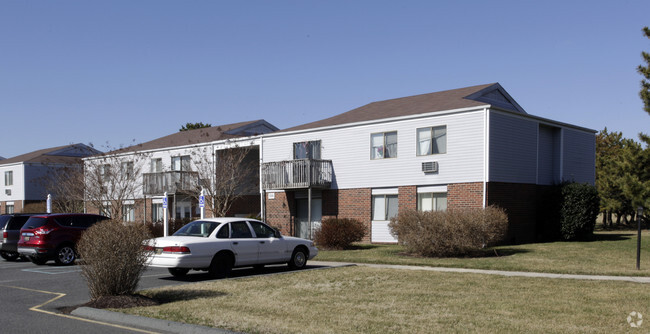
{"type": "Point", "coordinates": [54, 236]}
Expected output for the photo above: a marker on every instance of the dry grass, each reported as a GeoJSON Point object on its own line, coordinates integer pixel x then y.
{"type": "Point", "coordinates": [371, 300]}
{"type": "Point", "coordinates": [611, 253]}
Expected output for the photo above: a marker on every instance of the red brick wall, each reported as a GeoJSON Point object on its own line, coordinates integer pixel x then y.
{"type": "Point", "coordinates": [407, 198]}
{"type": "Point", "coordinates": [465, 195]}
{"type": "Point", "coordinates": [279, 213]}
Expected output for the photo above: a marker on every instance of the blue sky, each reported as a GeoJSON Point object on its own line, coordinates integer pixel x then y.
{"type": "Point", "coordinates": [118, 72]}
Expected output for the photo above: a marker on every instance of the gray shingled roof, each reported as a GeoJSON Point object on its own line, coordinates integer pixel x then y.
{"type": "Point", "coordinates": [467, 97]}
{"type": "Point", "coordinates": [54, 155]}
{"type": "Point", "coordinates": [198, 136]}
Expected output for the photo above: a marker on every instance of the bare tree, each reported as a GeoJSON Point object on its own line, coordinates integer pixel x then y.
{"type": "Point", "coordinates": [66, 186]}
{"type": "Point", "coordinates": [226, 176]}
{"type": "Point", "coordinates": [113, 178]}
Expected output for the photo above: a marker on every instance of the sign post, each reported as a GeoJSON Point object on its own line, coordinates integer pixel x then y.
{"type": "Point", "coordinates": [638, 239]}
{"type": "Point", "coordinates": [202, 203]}
{"type": "Point", "coordinates": [165, 219]}
{"type": "Point", "coordinates": [49, 203]}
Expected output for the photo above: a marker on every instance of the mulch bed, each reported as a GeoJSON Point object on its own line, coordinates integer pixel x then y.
{"type": "Point", "coordinates": [125, 301]}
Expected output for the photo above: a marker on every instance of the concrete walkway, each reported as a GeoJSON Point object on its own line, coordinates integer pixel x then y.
{"type": "Point", "coordinates": [635, 279]}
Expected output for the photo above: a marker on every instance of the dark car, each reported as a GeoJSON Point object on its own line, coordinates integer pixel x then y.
{"type": "Point", "coordinates": [10, 225]}
{"type": "Point", "coordinates": [54, 236]}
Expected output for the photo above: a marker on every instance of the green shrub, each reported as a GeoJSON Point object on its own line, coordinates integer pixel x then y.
{"type": "Point", "coordinates": [335, 233]}
{"type": "Point", "coordinates": [449, 233]}
{"type": "Point", "coordinates": [579, 209]}
{"type": "Point", "coordinates": [113, 257]}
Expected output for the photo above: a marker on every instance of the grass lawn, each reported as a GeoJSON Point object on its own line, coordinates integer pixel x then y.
{"type": "Point", "coordinates": [373, 300]}
{"type": "Point", "coordinates": [611, 253]}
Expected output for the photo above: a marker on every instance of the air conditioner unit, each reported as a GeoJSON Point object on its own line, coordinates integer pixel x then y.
{"type": "Point", "coordinates": [430, 167]}
{"type": "Point", "coordinates": [8, 192]}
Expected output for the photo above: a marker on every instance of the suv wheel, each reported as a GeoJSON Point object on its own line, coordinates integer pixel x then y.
{"type": "Point", "coordinates": [9, 256]}
{"type": "Point", "coordinates": [65, 255]}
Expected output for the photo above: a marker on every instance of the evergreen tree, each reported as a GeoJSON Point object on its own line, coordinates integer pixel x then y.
{"type": "Point", "coordinates": [645, 72]}
{"type": "Point", "coordinates": [194, 126]}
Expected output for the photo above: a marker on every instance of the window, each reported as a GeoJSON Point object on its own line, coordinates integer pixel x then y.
{"type": "Point", "coordinates": [432, 140]}
{"type": "Point", "coordinates": [181, 163]}
{"type": "Point", "coordinates": [432, 201]}
{"type": "Point", "coordinates": [262, 231]}
{"type": "Point", "coordinates": [157, 213]}
{"type": "Point", "coordinates": [156, 165]}
{"type": "Point", "coordinates": [224, 232]}
{"type": "Point", "coordinates": [384, 145]}
{"type": "Point", "coordinates": [127, 169]}
{"type": "Point", "coordinates": [106, 210]}
{"type": "Point", "coordinates": [307, 150]}
{"type": "Point", "coordinates": [9, 209]}
{"type": "Point", "coordinates": [9, 178]}
{"type": "Point", "coordinates": [384, 207]}
{"type": "Point", "coordinates": [128, 213]}
{"type": "Point", "coordinates": [105, 172]}
{"type": "Point", "coordinates": [240, 230]}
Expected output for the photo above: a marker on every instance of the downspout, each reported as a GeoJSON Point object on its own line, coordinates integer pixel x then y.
{"type": "Point", "coordinates": [486, 153]}
{"type": "Point", "coordinates": [262, 193]}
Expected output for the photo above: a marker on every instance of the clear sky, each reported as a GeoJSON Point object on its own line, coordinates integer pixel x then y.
{"type": "Point", "coordinates": [119, 72]}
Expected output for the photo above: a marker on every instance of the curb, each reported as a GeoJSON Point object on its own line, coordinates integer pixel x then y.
{"type": "Point", "coordinates": [139, 322]}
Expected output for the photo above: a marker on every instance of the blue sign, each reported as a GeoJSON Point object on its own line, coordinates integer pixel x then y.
{"type": "Point", "coordinates": [201, 201]}
{"type": "Point", "coordinates": [165, 203]}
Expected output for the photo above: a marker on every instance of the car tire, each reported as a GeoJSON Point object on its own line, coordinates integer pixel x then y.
{"type": "Point", "coordinates": [65, 255]}
{"type": "Point", "coordinates": [220, 266]}
{"type": "Point", "coordinates": [38, 260]}
{"type": "Point", "coordinates": [10, 256]}
{"type": "Point", "coordinates": [178, 272]}
{"type": "Point", "coordinates": [298, 259]}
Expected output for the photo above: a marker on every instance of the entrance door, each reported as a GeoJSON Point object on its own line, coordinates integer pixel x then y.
{"type": "Point", "coordinates": [303, 228]}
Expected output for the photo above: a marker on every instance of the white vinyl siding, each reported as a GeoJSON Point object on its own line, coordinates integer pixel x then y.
{"type": "Point", "coordinates": [513, 149]}
{"type": "Point", "coordinates": [348, 147]}
{"type": "Point", "coordinates": [579, 156]}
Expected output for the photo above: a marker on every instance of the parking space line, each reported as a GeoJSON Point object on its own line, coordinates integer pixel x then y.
{"type": "Point", "coordinates": [37, 308]}
{"type": "Point", "coordinates": [53, 271]}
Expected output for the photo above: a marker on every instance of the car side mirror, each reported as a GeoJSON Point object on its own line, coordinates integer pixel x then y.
{"type": "Point", "coordinates": [277, 234]}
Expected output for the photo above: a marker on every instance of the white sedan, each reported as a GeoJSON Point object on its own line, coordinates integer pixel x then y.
{"type": "Point", "coordinates": [220, 244]}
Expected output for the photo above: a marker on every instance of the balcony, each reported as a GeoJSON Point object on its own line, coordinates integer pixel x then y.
{"type": "Point", "coordinates": [297, 174]}
{"type": "Point", "coordinates": [171, 182]}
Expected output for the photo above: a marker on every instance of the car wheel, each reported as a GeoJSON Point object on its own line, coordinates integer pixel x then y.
{"type": "Point", "coordinates": [298, 259]}
{"type": "Point", "coordinates": [65, 255]}
{"type": "Point", "coordinates": [220, 266]}
{"type": "Point", "coordinates": [9, 256]}
{"type": "Point", "coordinates": [38, 261]}
{"type": "Point", "coordinates": [178, 272]}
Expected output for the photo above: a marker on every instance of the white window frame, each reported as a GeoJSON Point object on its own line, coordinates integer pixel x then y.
{"type": "Point", "coordinates": [379, 150]}
{"type": "Point", "coordinates": [9, 178]}
{"type": "Point", "coordinates": [420, 141]}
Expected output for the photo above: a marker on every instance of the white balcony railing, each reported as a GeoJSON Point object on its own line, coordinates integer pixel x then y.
{"type": "Point", "coordinates": [297, 174]}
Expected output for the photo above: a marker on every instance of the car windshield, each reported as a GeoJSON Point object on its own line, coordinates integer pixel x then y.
{"type": "Point", "coordinates": [197, 228]}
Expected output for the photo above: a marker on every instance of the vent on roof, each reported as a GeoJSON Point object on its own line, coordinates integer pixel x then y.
{"type": "Point", "coordinates": [430, 167]}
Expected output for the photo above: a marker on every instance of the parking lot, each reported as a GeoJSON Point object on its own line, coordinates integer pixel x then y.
{"type": "Point", "coordinates": [33, 296]}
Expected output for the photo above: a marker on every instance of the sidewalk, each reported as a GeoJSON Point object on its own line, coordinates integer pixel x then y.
{"type": "Point", "coordinates": [635, 279]}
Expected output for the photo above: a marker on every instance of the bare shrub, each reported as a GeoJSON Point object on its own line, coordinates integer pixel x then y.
{"type": "Point", "coordinates": [335, 233]}
{"type": "Point", "coordinates": [449, 233]}
{"type": "Point", "coordinates": [113, 257]}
